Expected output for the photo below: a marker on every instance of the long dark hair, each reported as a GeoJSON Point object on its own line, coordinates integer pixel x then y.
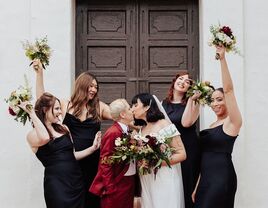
{"type": "Point", "coordinates": [153, 113]}
{"type": "Point", "coordinates": [80, 96]}
{"type": "Point", "coordinates": [170, 95]}
{"type": "Point", "coordinates": [42, 105]}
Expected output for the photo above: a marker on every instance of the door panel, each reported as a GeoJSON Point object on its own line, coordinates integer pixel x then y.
{"type": "Point", "coordinates": [106, 43]}
{"type": "Point", "coordinates": [167, 42]}
{"type": "Point", "coordinates": [135, 46]}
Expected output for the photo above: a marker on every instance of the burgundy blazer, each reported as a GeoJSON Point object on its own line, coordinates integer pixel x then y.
{"type": "Point", "coordinates": [108, 176]}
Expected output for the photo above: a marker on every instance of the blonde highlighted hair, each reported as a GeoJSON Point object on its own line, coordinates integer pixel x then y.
{"type": "Point", "coordinates": [118, 106]}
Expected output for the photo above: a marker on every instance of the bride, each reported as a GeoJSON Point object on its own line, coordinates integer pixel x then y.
{"type": "Point", "coordinates": [165, 190]}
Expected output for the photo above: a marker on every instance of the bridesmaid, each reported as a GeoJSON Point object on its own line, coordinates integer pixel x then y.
{"type": "Point", "coordinates": [82, 114]}
{"type": "Point", "coordinates": [217, 185]}
{"type": "Point", "coordinates": [184, 112]}
{"type": "Point", "coordinates": [52, 144]}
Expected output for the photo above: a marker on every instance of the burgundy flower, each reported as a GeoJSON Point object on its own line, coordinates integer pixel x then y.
{"type": "Point", "coordinates": [227, 30]}
{"type": "Point", "coordinates": [11, 112]}
{"type": "Point", "coordinates": [152, 141]}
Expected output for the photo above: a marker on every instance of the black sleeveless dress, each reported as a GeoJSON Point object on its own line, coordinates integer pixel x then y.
{"type": "Point", "coordinates": [191, 166]}
{"type": "Point", "coordinates": [63, 179]}
{"type": "Point", "coordinates": [218, 181]}
{"type": "Point", "coordinates": [83, 134]}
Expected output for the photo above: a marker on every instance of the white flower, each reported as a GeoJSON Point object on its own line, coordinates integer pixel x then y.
{"type": "Point", "coordinates": [221, 36]}
{"type": "Point", "coordinates": [161, 139]}
{"type": "Point", "coordinates": [139, 137]}
{"type": "Point", "coordinates": [118, 142]}
{"type": "Point", "coordinates": [124, 157]}
{"type": "Point", "coordinates": [207, 88]}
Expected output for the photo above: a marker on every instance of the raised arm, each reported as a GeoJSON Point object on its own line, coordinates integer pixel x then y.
{"type": "Point", "coordinates": [39, 136]}
{"type": "Point", "coordinates": [105, 111]}
{"type": "Point", "coordinates": [191, 112]}
{"type": "Point", "coordinates": [40, 89]}
{"type": "Point", "coordinates": [234, 119]}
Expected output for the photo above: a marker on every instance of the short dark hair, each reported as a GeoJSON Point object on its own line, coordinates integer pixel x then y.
{"type": "Point", "coordinates": [219, 89]}
{"type": "Point", "coordinates": [153, 114]}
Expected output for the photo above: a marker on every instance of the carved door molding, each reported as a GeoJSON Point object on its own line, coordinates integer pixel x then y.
{"type": "Point", "coordinates": [136, 46]}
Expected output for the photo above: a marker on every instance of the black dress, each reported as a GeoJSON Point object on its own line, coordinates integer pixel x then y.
{"type": "Point", "coordinates": [191, 166]}
{"type": "Point", "coordinates": [63, 179]}
{"type": "Point", "coordinates": [83, 134]}
{"type": "Point", "coordinates": [218, 182]}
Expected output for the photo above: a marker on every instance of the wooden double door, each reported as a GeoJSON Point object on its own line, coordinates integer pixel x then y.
{"type": "Point", "coordinates": [135, 46]}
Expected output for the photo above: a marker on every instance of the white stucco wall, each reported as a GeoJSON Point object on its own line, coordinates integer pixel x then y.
{"type": "Point", "coordinates": [248, 20]}
{"type": "Point", "coordinates": [21, 174]}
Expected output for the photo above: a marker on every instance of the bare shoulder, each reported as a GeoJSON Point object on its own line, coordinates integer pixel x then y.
{"type": "Point", "coordinates": [31, 136]}
{"type": "Point", "coordinates": [163, 123]}
{"type": "Point", "coordinates": [102, 104]}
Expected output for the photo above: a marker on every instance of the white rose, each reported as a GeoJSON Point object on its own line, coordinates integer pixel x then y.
{"type": "Point", "coordinates": [118, 142]}
{"type": "Point", "coordinates": [221, 36]}
{"type": "Point", "coordinates": [207, 88]}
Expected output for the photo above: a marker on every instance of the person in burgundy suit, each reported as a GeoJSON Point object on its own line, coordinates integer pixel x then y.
{"type": "Point", "coordinates": [115, 183]}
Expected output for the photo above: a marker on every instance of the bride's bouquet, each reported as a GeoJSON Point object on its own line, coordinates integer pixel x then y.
{"type": "Point", "coordinates": [22, 94]}
{"type": "Point", "coordinates": [223, 35]}
{"type": "Point", "coordinates": [148, 151]}
{"type": "Point", "coordinates": [153, 149]}
{"type": "Point", "coordinates": [204, 88]}
{"type": "Point", "coordinates": [38, 50]}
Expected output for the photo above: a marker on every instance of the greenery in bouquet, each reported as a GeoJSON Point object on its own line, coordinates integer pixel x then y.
{"type": "Point", "coordinates": [148, 151]}
{"type": "Point", "coordinates": [22, 94]}
{"type": "Point", "coordinates": [223, 35]}
{"type": "Point", "coordinates": [125, 150]}
{"type": "Point", "coordinates": [204, 88]}
{"type": "Point", "coordinates": [38, 50]}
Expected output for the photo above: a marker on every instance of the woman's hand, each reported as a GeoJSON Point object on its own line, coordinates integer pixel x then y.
{"type": "Point", "coordinates": [97, 141]}
{"type": "Point", "coordinates": [37, 65]}
{"type": "Point", "coordinates": [196, 95]}
{"type": "Point", "coordinates": [27, 107]}
{"type": "Point", "coordinates": [221, 51]}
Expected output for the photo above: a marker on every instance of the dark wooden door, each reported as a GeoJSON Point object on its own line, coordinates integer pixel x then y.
{"type": "Point", "coordinates": [135, 46]}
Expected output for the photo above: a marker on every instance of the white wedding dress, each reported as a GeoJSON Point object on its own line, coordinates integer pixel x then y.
{"type": "Point", "coordinates": [165, 190]}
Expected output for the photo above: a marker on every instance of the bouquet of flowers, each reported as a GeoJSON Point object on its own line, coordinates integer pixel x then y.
{"type": "Point", "coordinates": [223, 35]}
{"type": "Point", "coordinates": [125, 150]}
{"type": "Point", "coordinates": [149, 151]}
{"type": "Point", "coordinates": [22, 94]}
{"type": "Point", "coordinates": [153, 149]}
{"type": "Point", "coordinates": [39, 50]}
{"type": "Point", "coordinates": [204, 88]}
